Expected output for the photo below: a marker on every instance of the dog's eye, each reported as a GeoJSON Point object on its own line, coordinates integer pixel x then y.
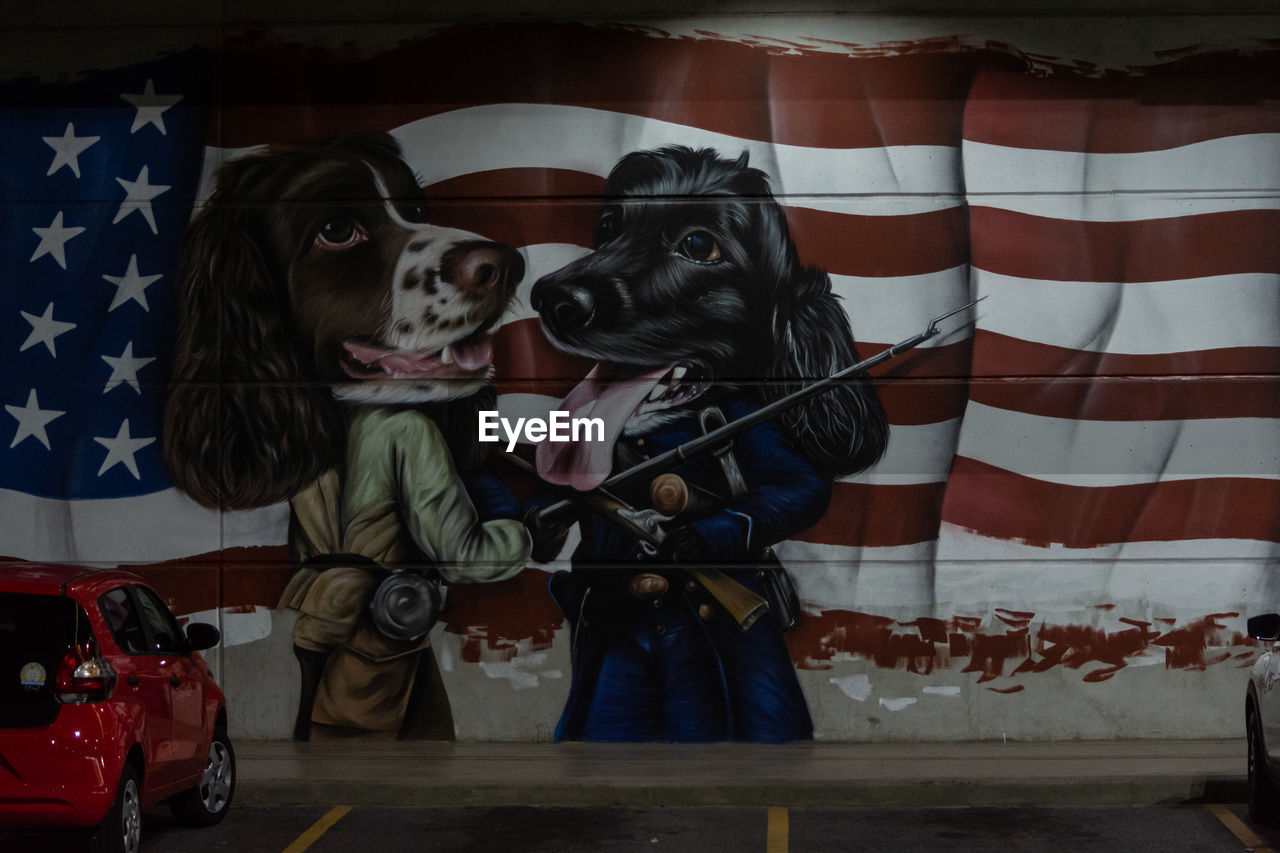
{"type": "Point", "coordinates": [414, 212]}
{"type": "Point", "coordinates": [699, 246]}
{"type": "Point", "coordinates": [340, 233]}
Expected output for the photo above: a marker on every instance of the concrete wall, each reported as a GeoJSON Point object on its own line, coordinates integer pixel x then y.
{"type": "Point", "coordinates": [1073, 519]}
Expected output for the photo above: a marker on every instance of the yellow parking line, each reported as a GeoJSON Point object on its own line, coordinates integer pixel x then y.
{"type": "Point", "coordinates": [1239, 829]}
{"type": "Point", "coordinates": [776, 835]}
{"type": "Point", "coordinates": [319, 828]}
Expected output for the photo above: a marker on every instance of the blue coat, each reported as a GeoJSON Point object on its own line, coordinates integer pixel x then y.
{"type": "Point", "coordinates": [646, 672]}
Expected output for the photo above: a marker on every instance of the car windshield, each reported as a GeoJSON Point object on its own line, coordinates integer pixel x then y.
{"type": "Point", "coordinates": [35, 633]}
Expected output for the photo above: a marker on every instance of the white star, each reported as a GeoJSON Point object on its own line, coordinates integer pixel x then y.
{"type": "Point", "coordinates": [137, 196]}
{"type": "Point", "coordinates": [131, 285]}
{"type": "Point", "coordinates": [67, 148]}
{"type": "Point", "coordinates": [44, 329]}
{"type": "Point", "coordinates": [53, 240]}
{"type": "Point", "coordinates": [125, 369]}
{"type": "Point", "coordinates": [32, 420]}
{"type": "Point", "coordinates": [151, 107]}
{"type": "Point", "coordinates": [120, 450]}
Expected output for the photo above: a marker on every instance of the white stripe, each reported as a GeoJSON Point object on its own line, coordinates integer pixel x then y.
{"type": "Point", "coordinates": [916, 454]}
{"type": "Point", "coordinates": [840, 576]}
{"type": "Point", "coordinates": [1120, 453]}
{"type": "Point", "coordinates": [1138, 318]}
{"type": "Point", "coordinates": [850, 200]}
{"type": "Point", "coordinates": [1107, 206]}
{"type": "Point", "coordinates": [165, 525]}
{"type": "Point", "coordinates": [973, 575]}
{"type": "Point", "coordinates": [504, 136]}
{"type": "Point", "coordinates": [889, 309]}
{"type": "Point", "coordinates": [876, 205]}
{"type": "Point", "coordinates": [958, 547]}
{"type": "Point", "coordinates": [1187, 578]}
{"type": "Point", "coordinates": [1225, 166]}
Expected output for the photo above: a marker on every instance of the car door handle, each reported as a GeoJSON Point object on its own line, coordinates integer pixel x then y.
{"type": "Point", "coordinates": [175, 682]}
{"type": "Point", "coordinates": [133, 681]}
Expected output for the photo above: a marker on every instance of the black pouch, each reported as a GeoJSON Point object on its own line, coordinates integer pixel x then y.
{"type": "Point", "coordinates": [779, 590]}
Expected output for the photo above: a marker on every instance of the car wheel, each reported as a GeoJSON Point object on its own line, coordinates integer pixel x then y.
{"type": "Point", "coordinates": [121, 830]}
{"type": "Point", "coordinates": [1264, 801]}
{"type": "Point", "coordinates": [207, 803]}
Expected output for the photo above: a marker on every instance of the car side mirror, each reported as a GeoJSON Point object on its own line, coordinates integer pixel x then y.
{"type": "Point", "coordinates": [202, 635]}
{"type": "Point", "coordinates": [1265, 627]}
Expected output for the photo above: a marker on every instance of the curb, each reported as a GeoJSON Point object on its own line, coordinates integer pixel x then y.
{"type": "Point", "coordinates": [1114, 791]}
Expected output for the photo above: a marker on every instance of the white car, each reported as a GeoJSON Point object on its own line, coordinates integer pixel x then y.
{"type": "Point", "coordinates": [1262, 722]}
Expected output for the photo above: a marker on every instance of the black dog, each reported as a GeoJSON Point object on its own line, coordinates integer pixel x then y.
{"type": "Point", "coordinates": [695, 298]}
{"type": "Point", "coordinates": [694, 267]}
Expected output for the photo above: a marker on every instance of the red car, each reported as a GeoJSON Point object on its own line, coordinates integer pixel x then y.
{"type": "Point", "coordinates": [106, 706]}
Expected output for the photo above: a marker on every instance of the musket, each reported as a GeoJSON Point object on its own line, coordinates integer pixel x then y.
{"type": "Point", "coordinates": [562, 511]}
{"type": "Point", "coordinates": [645, 526]}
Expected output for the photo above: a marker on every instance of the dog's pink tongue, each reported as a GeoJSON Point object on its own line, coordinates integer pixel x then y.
{"type": "Point", "coordinates": [473, 354]}
{"type": "Point", "coordinates": [586, 464]}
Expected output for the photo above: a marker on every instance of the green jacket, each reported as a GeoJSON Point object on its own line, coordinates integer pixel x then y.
{"type": "Point", "coordinates": [400, 502]}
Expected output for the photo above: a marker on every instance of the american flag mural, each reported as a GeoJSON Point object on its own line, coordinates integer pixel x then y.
{"type": "Point", "coordinates": [1080, 486]}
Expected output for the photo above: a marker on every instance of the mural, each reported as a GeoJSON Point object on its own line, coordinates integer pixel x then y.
{"type": "Point", "coordinates": [259, 293]}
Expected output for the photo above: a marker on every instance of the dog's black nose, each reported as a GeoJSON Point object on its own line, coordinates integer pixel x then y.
{"type": "Point", "coordinates": [566, 308]}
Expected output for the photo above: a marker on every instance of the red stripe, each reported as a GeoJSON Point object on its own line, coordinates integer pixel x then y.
{"type": "Point", "coordinates": [928, 644]}
{"type": "Point", "coordinates": [924, 387]}
{"type": "Point", "coordinates": [851, 244]}
{"type": "Point", "coordinates": [879, 515]}
{"type": "Point", "coordinates": [1178, 104]}
{"type": "Point", "coordinates": [494, 617]}
{"type": "Point", "coordinates": [1059, 382]}
{"type": "Point", "coordinates": [281, 92]}
{"type": "Point", "coordinates": [530, 206]}
{"type": "Point", "coordinates": [1000, 504]}
{"type": "Point", "coordinates": [233, 577]}
{"type": "Point", "coordinates": [1026, 246]}
{"type": "Point", "coordinates": [526, 363]}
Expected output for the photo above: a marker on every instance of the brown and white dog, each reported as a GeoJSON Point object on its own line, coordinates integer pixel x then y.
{"type": "Point", "coordinates": [313, 283]}
{"type": "Point", "coordinates": [312, 279]}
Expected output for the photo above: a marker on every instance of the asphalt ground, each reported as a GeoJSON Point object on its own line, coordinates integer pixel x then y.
{"type": "Point", "coordinates": [541, 829]}
{"type": "Point", "coordinates": [812, 775]}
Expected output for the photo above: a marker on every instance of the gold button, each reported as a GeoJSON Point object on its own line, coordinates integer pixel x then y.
{"type": "Point", "coordinates": [705, 611]}
{"type": "Point", "coordinates": [661, 629]}
{"type": "Point", "coordinates": [690, 586]}
{"type": "Point", "coordinates": [644, 456]}
{"type": "Point", "coordinates": [639, 442]}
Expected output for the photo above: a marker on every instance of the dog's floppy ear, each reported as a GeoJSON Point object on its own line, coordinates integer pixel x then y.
{"type": "Point", "coordinates": [842, 430]}
{"type": "Point", "coordinates": [241, 426]}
